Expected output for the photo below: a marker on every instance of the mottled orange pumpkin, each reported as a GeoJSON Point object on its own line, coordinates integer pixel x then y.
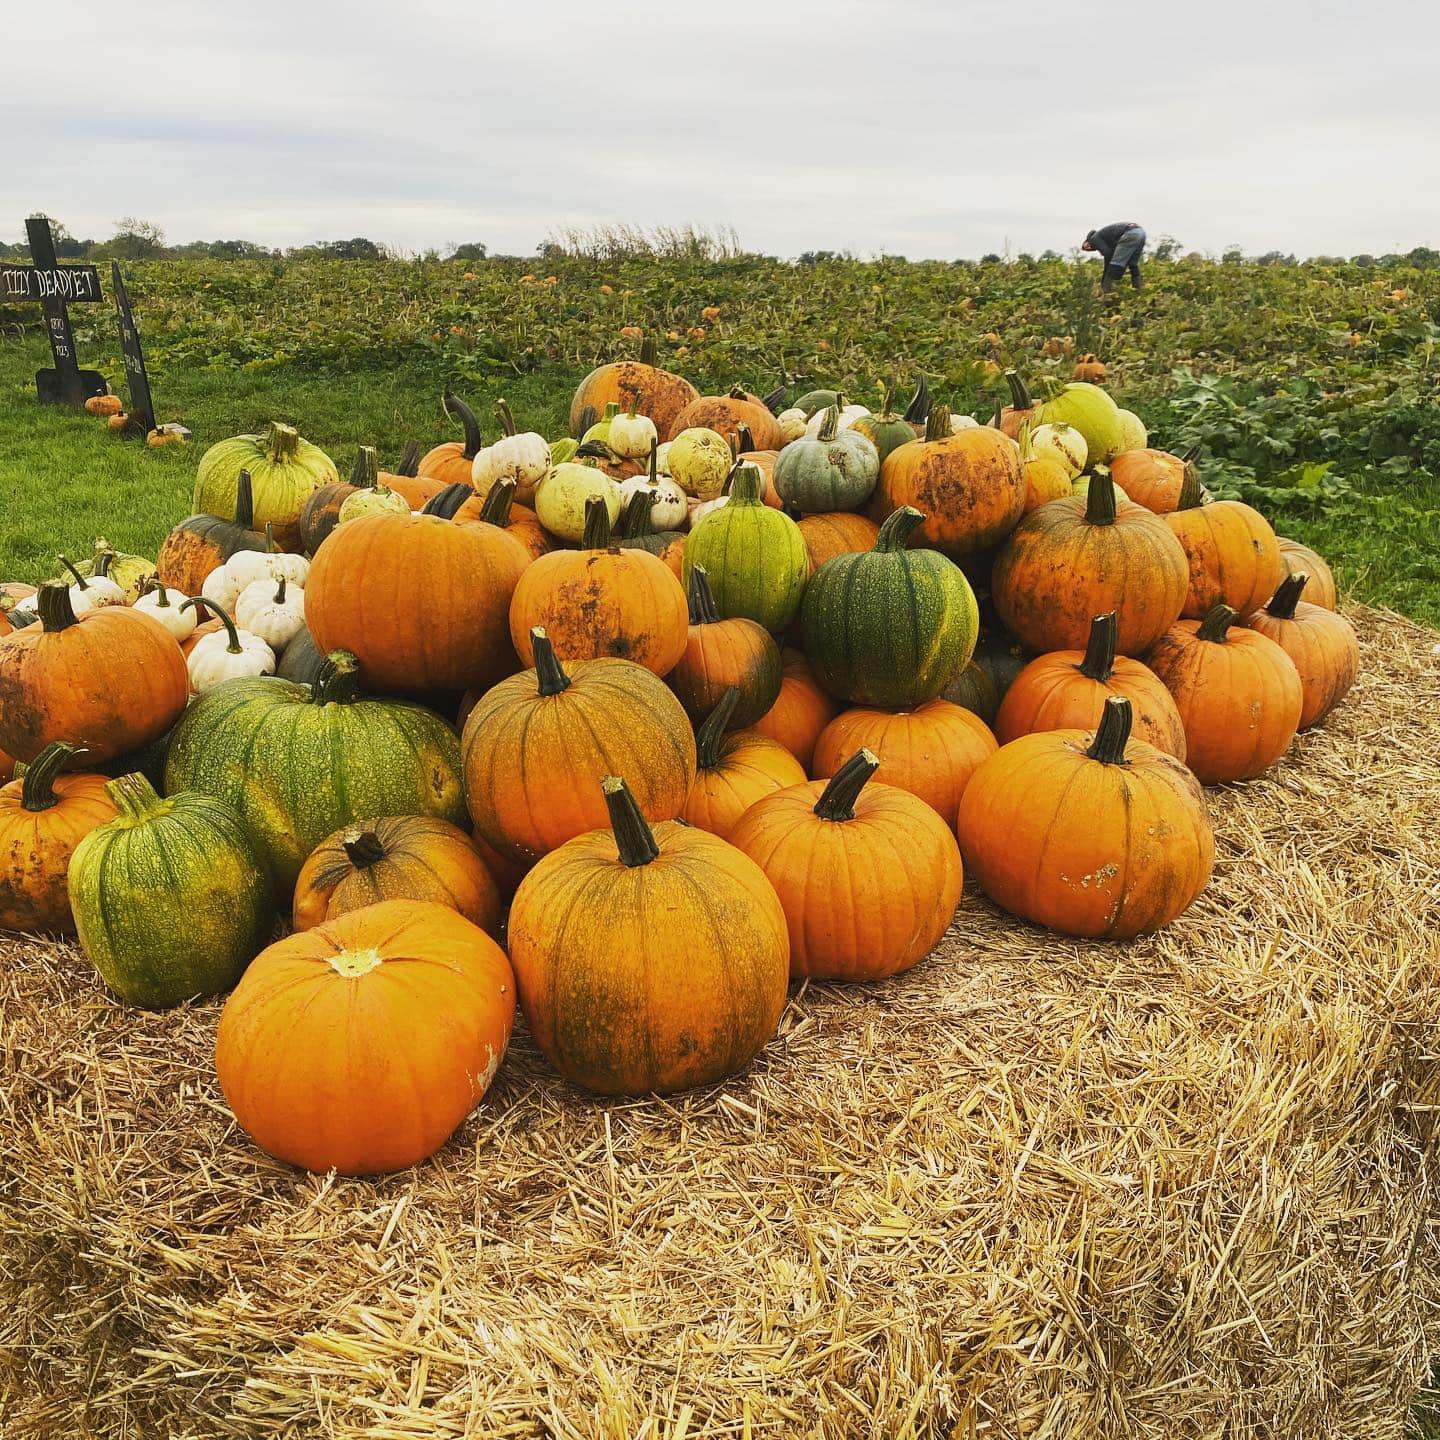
{"type": "Point", "coordinates": [1321, 645]}
{"type": "Point", "coordinates": [838, 532]}
{"type": "Point", "coordinates": [721, 655]}
{"type": "Point", "coordinates": [407, 481]}
{"type": "Point", "coordinates": [320, 513]}
{"type": "Point", "coordinates": [1089, 832]}
{"type": "Point", "coordinates": [451, 462]}
{"type": "Point", "coordinates": [633, 385]}
{"type": "Point", "coordinates": [735, 769]}
{"type": "Point", "coordinates": [801, 710]}
{"type": "Point", "coordinates": [1320, 579]}
{"type": "Point", "coordinates": [203, 543]}
{"type": "Point", "coordinates": [103, 405]}
{"type": "Point", "coordinates": [498, 506]}
{"type": "Point", "coordinates": [1238, 693]}
{"type": "Point", "coordinates": [1152, 478]}
{"type": "Point", "coordinates": [1090, 368]}
{"type": "Point", "coordinates": [727, 415]}
{"type": "Point", "coordinates": [1232, 552]}
{"type": "Point", "coordinates": [869, 875]}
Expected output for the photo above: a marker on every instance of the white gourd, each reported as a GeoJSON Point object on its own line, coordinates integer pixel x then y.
{"type": "Point", "coordinates": [792, 424]}
{"type": "Point", "coordinates": [225, 654]}
{"type": "Point", "coordinates": [161, 603]}
{"type": "Point", "coordinates": [632, 435]}
{"type": "Point", "coordinates": [849, 414]}
{"type": "Point", "coordinates": [523, 457]}
{"type": "Point", "coordinates": [275, 612]}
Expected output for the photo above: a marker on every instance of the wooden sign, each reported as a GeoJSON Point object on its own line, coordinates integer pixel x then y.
{"type": "Point", "coordinates": [142, 408]}
{"type": "Point", "coordinates": [53, 284]}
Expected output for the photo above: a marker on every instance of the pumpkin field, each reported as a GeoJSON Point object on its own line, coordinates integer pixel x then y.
{"type": "Point", "coordinates": [683, 847]}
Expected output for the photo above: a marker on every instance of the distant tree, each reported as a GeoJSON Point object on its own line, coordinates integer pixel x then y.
{"type": "Point", "coordinates": [357, 249]}
{"type": "Point", "coordinates": [236, 250]}
{"type": "Point", "coordinates": [815, 257]}
{"type": "Point", "coordinates": [991, 259]}
{"type": "Point", "coordinates": [1274, 257]}
{"type": "Point", "coordinates": [1049, 254]}
{"type": "Point", "coordinates": [1366, 262]}
{"type": "Point", "coordinates": [472, 251]}
{"type": "Point", "coordinates": [135, 240]}
{"type": "Point", "coordinates": [1232, 255]}
{"type": "Point", "coordinates": [1422, 257]}
{"type": "Point", "coordinates": [67, 247]}
{"type": "Point", "coordinates": [1167, 247]}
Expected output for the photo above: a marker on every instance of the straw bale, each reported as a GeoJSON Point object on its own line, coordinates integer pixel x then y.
{"type": "Point", "coordinates": [1039, 1188]}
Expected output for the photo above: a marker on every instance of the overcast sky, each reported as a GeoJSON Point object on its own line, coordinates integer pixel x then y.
{"type": "Point", "coordinates": [917, 127]}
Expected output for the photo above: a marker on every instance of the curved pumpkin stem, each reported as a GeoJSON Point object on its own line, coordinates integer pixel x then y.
{"type": "Point", "coordinates": [363, 847]}
{"type": "Point", "coordinates": [744, 440]}
{"type": "Point", "coordinates": [1019, 395]}
{"type": "Point", "coordinates": [1192, 493]}
{"type": "Point", "coordinates": [703, 610]}
{"type": "Point", "coordinates": [895, 533]}
{"type": "Point", "coordinates": [647, 350]}
{"type": "Point", "coordinates": [597, 525]}
{"type": "Point", "coordinates": [774, 402]}
{"type": "Point", "coordinates": [710, 737]}
{"type": "Point", "coordinates": [1191, 455]}
{"type": "Point", "coordinates": [102, 562]}
{"type": "Point", "coordinates": [998, 416]}
{"type": "Point", "coordinates": [454, 406]}
{"type": "Point", "coordinates": [366, 474]}
{"type": "Point", "coordinates": [133, 796]}
{"type": "Point", "coordinates": [548, 671]}
{"type": "Point", "coordinates": [1108, 746]}
{"type": "Point", "coordinates": [1099, 661]}
{"type": "Point", "coordinates": [1100, 498]}
{"type": "Point", "coordinates": [633, 837]}
{"type": "Point", "coordinates": [507, 416]}
{"type": "Point", "coordinates": [839, 797]}
{"type": "Point", "coordinates": [937, 426]}
{"type": "Point", "coordinates": [245, 501]}
{"type": "Point", "coordinates": [496, 508]}
{"type": "Point", "coordinates": [1216, 625]}
{"type": "Point", "coordinates": [37, 789]}
{"type": "Point", "coordinates": [409, 462]}
{"type": "Point", "coordinates": [1287, 595]}
{"type": "Point", "coordinates": [234, 647]}
{"type": "Point", "coordinates": [338, 682]}
{"type": "Point", "coordinates": [449, 500]}
{"type": "Point", "coordinates": [79, 579]}
{"type": "Point", "coordinates": [157, 587]}
{"type": "Point", "coordinates": [281, 441]}
{"type": "Point", "coordinates": [917, 412]}
{"type": "Point", "coordinates": [52, 601]}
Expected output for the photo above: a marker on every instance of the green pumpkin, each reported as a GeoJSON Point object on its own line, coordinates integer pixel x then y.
{"type": "Point", "coordinates": [888, 431]}
{"type": "Point", "coordinates": [974, 689]}
{"type": "Point", "coordinates": [837, 470]}
{"type": "Point", "coordinates": [1093, 413]}
{"type": "Point", "coordinates": [129, 572]}
{"type": "Point", "coordinates": [755, 556]}
{"type": "Point", "coordinates": [299, 762]}
{"type": "Point", "coordinates": [301, 660]}
{"type": "Point", "coordinates": [890, 626]}
{"type": "Point", "coordinates": [563, 450]}
{"type": "Point", "coordinates": [816, 400]}
{"type": "Point", "coordinates": [283, 468]}
{"type": "Point", "coordinates": [172, 898]}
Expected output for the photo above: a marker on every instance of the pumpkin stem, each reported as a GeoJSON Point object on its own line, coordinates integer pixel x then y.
{"type": "Point", "coordinates": [703, 610]}
{"type": "Point", "coordinates": [1019, 395]}
{"type": "Point", "coordinates": [507, 416]}
{"type": "Point", "coordinates": [597, 525]}
{"type": "Point", "coordinates": [79, 578]}
{"type": "Point", "coordinates": [633, 837]}
{"type": "Point", "coordinates": [338, 682]}
{"type": "Point", "coordinates": [454, 406]}
{"type": "Point", "coordinates": [635, 522]}
{"type": "Point", "coordinates": [1216, 625]}
{"type": "Point", "coordinates": [775, 400]}
{"type": "Point", "coordinates": [1100, 498]}
{"type": "Point", "coordinates": [998, 416]}
{"type": "Point", "coordinates": [1108, 746]}
{"type": "Point", "coordinates": [37, 790]}
{"type": "Point", "coordinates": [1191, 455]}
{"type": "Point", "coordinates": [245, 501]}
{"type": "Point", "coordinates": [102, 562]}
{"type": "Point", "coordinates": [887, 398]}
{"type": "Point", "coordinates": [366, 474]}
{"type": "Point", "coordinates": [1283, 601]}
{"type": "Point", "coordinates": [234, 647]}
{"type": "Point", "coordinates": [745, 485]}
{"type": "Point", "coordinates": [280, 592]}
{"type": "Point", "coordinates": [744, 440]}
{"type": "Point", "coordinates": [1191, 491]}
{"type": "Point", "coordinates": [449, 500]}
{"type": "Point", "coordinates": [363, 847]}
{"type": "Point", "coordinates": [829, 425]}
{"type": "Point", "coordinates": [839, 797]}
{"type": "Point", "coordinates": [53, 603]}
{"type": "Point", "coordinates": [653, 468]}
{"type": "Point", "coordinates": [710, 737]}
{"type": "Point", "coordinates": [588, 416]}
{"type": "Point", "coordinates": [270, 547]}
{"type": "Point", "coordinates": [917, 412]}
{"type": "Point", "coordinates": [895, 533]}
{"type": "Point", "coordinates": [161, 591]}
{"type": "Point", "coordinates": [647, 350]}
{"type": "Point", "coordinates": [937, 427]}
{"type": "Point", "coordinates": [548, 670]}
{"type": "Point", "coordinates": [1099, 661]}
{"type": "Point", "coordinates": [282, 441]}
{"type": "Point", "coordinates": [496, 507]}
{"type": "Point", "coordinates": [409, 461]}
{"type": "Point", "coordinates": [737, 392]}
{"type": "Point", "coordinates": [133, 796]}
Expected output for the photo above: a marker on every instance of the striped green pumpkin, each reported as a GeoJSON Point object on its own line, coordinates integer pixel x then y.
{"type": "Point", "coordinates": [299, 762]}
{"type": "Point", "coordinates": [754, 555]}
{"type": "Point", "coordinates": [172, 899]}
{"type": "Point", "coordinates": [890, 627]}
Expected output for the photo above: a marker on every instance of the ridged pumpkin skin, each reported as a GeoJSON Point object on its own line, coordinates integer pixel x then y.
{"type": "Point", "coordinates": [536, 743]}
{"type": "Point", "coordinates": [1232, 552]}
{"type": "Point", "coordinates": [1105, 849]}
{"type": "Point", "coordinates": [736, 768]}
{"type": "Point", "coordinates": [42, 819]}
{"type": "Point", "coordinates": [633, 385]}
{"type": "Point", "coordinates": [838, 533]}
{"type": "Point", "coordinates": [203, 543]}
{"type": "Point", "coordinates": [931, 751]}
{"type": "Point", "coordinates": [172, 898]}
{"type": "Point", "coordinates": [801, 710]}
{"type": "Point", "coordinates": [721, 654]}
{"type": "Point", "coordinates": [111, 681]}
{"type": "Point", "coordinates": [1321, 645]}
{"type": "Point", "coordinates": [361, 1045]}
{"type": "Point", "coordinates": [396, 857]}
{"type": "Point", "coordinates": [1320, 579]}
{"type": "Point", "coordinates": [297, 763]}
{"type": "Point", "coordinates": [1074, 559]}
{"type": "Point", "coordinates": [968, 486]}
{"type": "Point", "coordinates": [648, 961]}
{"type": "Point", "coordinates": [1238, 693]}
{"type": "Point", "coordinates": [726, 415]}
{"type": "Point", "coordinates": [283, 468]}
{"type": "Point", "coordinates": [1152, 478]}
{"type": "Point", "coordinates": [518, 521]}
{"type": "Point", "coordinates": [891, 627]}
{"type": "Point", "coordinates": [1067, 690]}
{"type": "Point", "coordinates": [869, 877]}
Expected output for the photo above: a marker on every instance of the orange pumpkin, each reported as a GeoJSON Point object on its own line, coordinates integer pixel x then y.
{"type": "Point", "coordinates": [764, 461]}
{"type": "Point", "coordinates": [360, 1046]}
{"type": "Point", "coordinates": [1321, 644]}
{"type": "Point", "coordinates": [415, 489]}
{"type": "Point", "coordinates": [869, 875]}
{"type": "Point", "coordinates": [837, 532]}
{"type": "Point", "coordinates": [721, 655]}
{"type": "Point", "coordinates": [727, 415]}
{"type": "Point", "coordinates": [1021, 411]}
{"type": "Point", "coordinates": [1091, 833]}
{"type": "Point", "coordinates": [633, 385]}
{"type": "Point", "coordinates": [602, 600]}
{"type": "Point", "coordinates": [498, 506]}
{"type": "Point", "coordinates": [801, 710]}
{"type": "Point", "coordinates": [1089, 368]}
{"type": "Point", "coordinates": [111, 681]}
{"type": "Point", "coordinates": [451, 462]}
{"type": "Point", "coordinates": [969, 486]}
{"type": "Point", "coordinates": [1067, 690]}
{"type": "Point", "coordinates": [103, 405]}
{"type": "Point", "coordinates": [320, 513]}
{"type": "Point", "coordinates": [1046, 477]}
{"type": "Point", "coordinates": [42, 819]}
{"type": "Point", "coordinates": [1238, 693]}
{"type": "Point", "coordinates": [397, 857]}
{"type": "Point", "coordinates": [1320, 579]}
{"type": "Point", "coordinates": [1073, 559]}
{"type": "Point", "coordinates": [202, 543]}
{"type": "Point", "coordinates": [1232, 552]}
{"type": "Point", "coordinates": [1153, 478]}
{"type": "Point", "coordinates": [736, 768]}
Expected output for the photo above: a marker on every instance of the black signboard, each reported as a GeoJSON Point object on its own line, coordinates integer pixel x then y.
{"type": "Point", "coordinates": [142, 408]}
{"type": "Point", "coordinates": [71, 283]}
{"type": "Point", "coordinates": [52, 284]}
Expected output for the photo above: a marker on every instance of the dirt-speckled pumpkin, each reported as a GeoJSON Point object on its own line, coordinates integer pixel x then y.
{"type": "Point", "coordinates": [1321, 644]}
{"type": "Point", "coordinates": [726, 415]}
{"type": "Point", "coordinates": [203, 543]}
{"type": "Point", "coordinates": [1232, 552]}
{"type": "Point", "coordinates": [637, 385]}
{"type": "Point", "coordinates": [721, 655]}
{"type": "Point", "coordinates": [736, 768]}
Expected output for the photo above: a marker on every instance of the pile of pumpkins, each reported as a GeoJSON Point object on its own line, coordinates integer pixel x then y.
{"type": "Point", "coordinates": [711, 695]}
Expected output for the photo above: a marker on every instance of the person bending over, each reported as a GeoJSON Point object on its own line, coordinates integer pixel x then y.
{"type": "Point", "coordinates": [1121, 244]}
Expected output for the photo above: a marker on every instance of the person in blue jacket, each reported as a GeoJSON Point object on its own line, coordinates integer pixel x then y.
{"type": "Point", "coordinates": [1121, 244]}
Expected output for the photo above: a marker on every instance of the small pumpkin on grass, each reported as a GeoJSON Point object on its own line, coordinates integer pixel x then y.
{"type": "Point", "coordinates": [452, 461]}
{"type": "Point", "coordinates": [802, 709]}
{"type": "Point", "coordinates": [736, 768]}
{"type": "Point", "coordinates": [360, 1046]}
{"type": "Point", "coordinates": [1321, 644]}
{"type": "Point", "coordinates": [721, 655]}
{"type": "Point", "coordinates": [104, 405]}
{"type": "Point", "coordinates": [649, 960]}
{"type": "Point", "coordinates": [1232, 552]}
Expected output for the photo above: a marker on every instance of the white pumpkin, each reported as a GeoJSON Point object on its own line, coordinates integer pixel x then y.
{"type": "Point", "coordinates": [671, 504]}
{"type": "Point", "coordinates": [222, 586]}
{"type": "Point", "coordinates": [963, 422]}
{"type": "Point", "coordinates": [161, 603]}
{"type": "Point", "coordinates": [701, 508]}
{"type": "Point", "coordinates": [560, 499]}
{"type": "Point", "coordinates": [247, 566]}
{"type": "Point", "coordinates": [1062, 441]}
{"type": "Point", "coordinates": [275, 611]}
{"type": "Point", "coordinates": [849, 414]}
{"type": "Point", "coordinates": [699, 461]}
{"type": "Point", "coordinates": [662, 457]}
{"type": "Point", "coordinates": [92, 592]}
{"type": "Point", "coordinates": [373, 500]}
{"type": "Point", "coordinates": [792, 424]}
{"type": "Point", "coordinates": [226, 654]}
{"type": "Point", "coordinates": [521, 457]}
{"type": "Point", "coordinates": [632, 435]}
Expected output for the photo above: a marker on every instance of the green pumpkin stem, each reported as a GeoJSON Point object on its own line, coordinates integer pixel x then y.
{"type": "Point", "coordinates": [746, 484]}
{"type": "Point", "coordinates": [409, 461]}
{"type": "Point", "coordinates": [895, 533]}
{"type": "Point", "coordinates": [548, 671]}
{"type": "Point", "coordinates": [75, 574]}
{"type": "Point", "coordinates": [710, 737]}
{"type": "Point", "coordinates": [597, 525]}
{"type": "Point", "coordinates": [829, 425]}
{"type": "Point", "coordinates": [1019, 395]}
{"type": "Point", "coordinates": [775, 400]}
{"type": "Point", "coordinates": [338, 682]}
{"type": "Point", "coordinates": [280, 592]}
{"type": "Point", "coordinates": [703, 610]}
{"type": "Point", "coordinates": [234, 647]}
{"type": "Point", "coordinates": [455, 407]}
{"type": "Point", "coordinates": [887, 399]}
{"type": "Point", "coordinates": [937, 426]}
{"type": "Point", "coordinates": [133, 796]}
{"type": "Point", "coordinates": [1192, 493]}
{"type": "Point", "coordinates": [53, 604]}
{"type": "Point", "coordinates": [653, 465]}
{"type": "Point", "coordinates": [647, 350]}
{"type": "Point", "coordinates": [1191, 455]}
{"type": "Point", "coordinates": [917, 412]}
{"type": "Point", "coordinates": [447, 501]}
{"type": "Point", "coordinates": [744, 440]}
{"type": "Point", "coordinates": [839, 797]}
{"type": "Point", "coordinates": [1216, 625]}
{"type": "Point", "coordinates": [245, 501]}
{"type": "Point", "coordinates": [366, 474]}
{"type": "Point", "coordinates": [633, 837]}
{"type": "Point", "coordinates": [363, 847]}
{"type": "Point", "coordinates": [1287, 595]}
{"type": "Point", "coordinates": [1108, 746]}
{"type": "Point", "coordinates": [635, 522]}
{"type": "Point", "coordinates": [507, 416]}
{"type": "Point", "coordinates": [1100, 498]}
{"type": "Point", "coordinates": [156, 586]}
{"type": "Point", "coordinates": [271, 548]}
{"type": "Point", "coordinates": [998, 416]}
{"type": "Point", "coordinates": [281, 442]}
{"type": "Point", "coordinates": [1099, 661]}
{"type": "Point", "coordinates": [37, 789]}
{"type": "Point", "coordinates": [496, 508]}
{"type": "Point", "coordinates": [102, 562]}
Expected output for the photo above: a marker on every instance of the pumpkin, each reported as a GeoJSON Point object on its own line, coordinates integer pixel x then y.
{"type": "Point", "coordinates": [453, 461]}
{"type": "Point", "coordinates": [224, 584]}
{"type": "Point", "coordinates": [94, 592]}
{"type": "Point", "coordinates": [1067, 690]}
{"type": "Point", "coordinates": [163, 435]}
{"type": "Point", "coordinates": [1047, 477]}
{"type": "Point", "coordinates": [284, 469]}
{"type": "Point", "coordinates": [372, 500]}
{"type": "Point", "coordinates": [1020, 412]}
{"type": "Point", "coordinates": [1073, 559]}
{"type": "Point", "coordinates": [700, 462]}
{"type": "Point", "coordinates": [1090, 833]}
{"type": "Point", "coordinates": [636, 531]}
{"type": "Point", "coordinates": [320, 513]}
{"type": "Point", "coordinates": [1092, 412]}
{"type": "Point", "coordinates": [868, 875]}
{"type": "Point", "coordinates": [890, 627]}
{"type": "Point", "coordinates": [801, 710]}
{"type": "Point", "coordinates": [396, 857]}
{"type": "Point", "coordinates": [229, 653]}
{"type": "Point", "coordinates": [172, 898]}
{"type": "Point", "coordinates": [361, 1045]}
{"type": "Point", "coordinates": [888, 431]}
{"type": "Point", "coordinates": [1320, 579]}
{"type": "Point", "coordinates": [837, 470]}
{"type": "Point", "coordinates": [836, 533]}
{"type": "Point", "coordinates": [299, 762]}
{"type": "Point", "coordinates": [1063, 444]}
{"type": "Point", "coordinates": [735, 768]}
{"type": "Point", "coordinates": [132, 573]}
{"type": "Point", "coordinates": [1153, 478]}
{"type": "Point", "coordinates": [111, 680]}
{"type": "Point", "coordinates": [1132, 433]}
{"type": "Point", "coordinates": [1232, 552]}
{"type": "Point", "coordinates": [968, 486]}
{"type": "Point", "coordinates": [1089, 367]}
{"type": "Point", "coordinates": [302, 660]}
{"type": "Point", "coordinates": [42, 819]}
{"type": "Point", "coordinates": [423, 603]}
{"type": "Point", "coordinates": [1238, 693]}
{"type": "Point", "coordinates": [407, 481]}
{"type": "Point", "coordinates": [648, 960]}
{"type": "Point", "coordinates": [495, 507]}
{"type": "Point", "coordinates": [166, 606]}
{"type": "Point", "coordinates": [118, 424]}
{"type": "Point", "coordinates": [104, 405]}
{"type": "Point", "coordinates": [523, 458]}
{"type": "Point", "coordinates": [273, 612]}
{"type": "Point", "coordinates": [725, 414]}
{"type": "Point", "coordinates": [562, 497]}
{"type": "Point", "coordinates": [755, 557]}
{"type": "Point", "coordinates": [632, 436]}
{"type": "Point", "coordinates": [1321, 644]}
{"type": "Point", "coordinates": [721, 655]}
{"type": "Point", "coordinates": [792, 424]}
{"type": "Point", "coordinates": [637, 385]}
{"type": "Point", "coordinates": [669, 509]}
{"type": "Point", "coordinates": [764, 462]}
{"type": "Point", "coordinates": [602, 600]}
{"type": "Point", "coordinates": [974, 689]}
{"type": "Point", "coordinates": [535, 743]}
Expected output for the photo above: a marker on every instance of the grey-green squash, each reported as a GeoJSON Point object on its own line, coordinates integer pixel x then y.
{"type": "Point", "coordinates": [837, 470]}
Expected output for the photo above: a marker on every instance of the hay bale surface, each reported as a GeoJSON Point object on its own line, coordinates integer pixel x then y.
{"type": "Point", "coordinates": [1034, 1188]}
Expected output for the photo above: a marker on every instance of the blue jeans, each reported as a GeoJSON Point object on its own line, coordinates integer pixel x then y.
{"type": "Point", "coordinates": [1127, 253]}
